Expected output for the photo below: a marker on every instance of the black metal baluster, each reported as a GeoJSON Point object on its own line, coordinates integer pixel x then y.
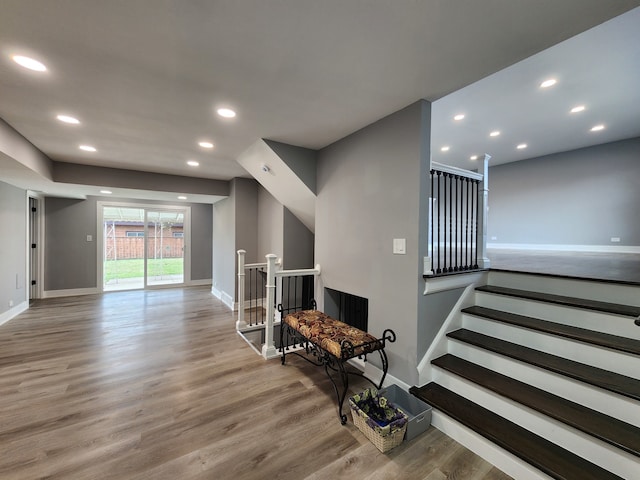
{"type": "Point", "coordinates": [455, 245]}
{"type": "Point", "coordinates": [432, 219]}
{"type": "Point", "coordinates": [439, 203]}
{"type": "Point", "coordinates": [477, 210]}
{"type": "Point", "coordinates": [467, 258]}
{"type": "Point", "coordinates": [450, 222]}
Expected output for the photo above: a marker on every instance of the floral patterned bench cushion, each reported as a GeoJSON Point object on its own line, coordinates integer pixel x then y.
{"type": "Point", "coordinates": [329, 333]}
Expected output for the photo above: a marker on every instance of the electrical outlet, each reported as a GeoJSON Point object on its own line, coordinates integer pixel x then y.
{"type": "Point", "coordinates": [615, 239]}
{"type": "Point", "coordinates": [10, 303]}
{"type": "Point", "coordinates": [494, 238]}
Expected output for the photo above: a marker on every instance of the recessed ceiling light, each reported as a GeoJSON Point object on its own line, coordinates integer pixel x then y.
{"type": "Point", "coordinates": [226, 112]}
{"type": "Point", "coordinates": [548, 83]}
{"type": "Point", "coordinates": [68, 119]}
{"type": "Point", "coordinates": [206, 144]}
{"type": "Point", "coordinates": [495, 133]}
{"type": "Point", "coordinates": [444, 149]}
{"type": "Point", "coordinates": [29, 63]}
{"type": "Point", "coordinates": [106, 192]}
{"type": "Point", "coordinates": [460, 116]}
{"type": "Point", "coordinates": [182, 197]}
{"type": "Point", "coordinates": [193, 163]}
{"type": "Point", "coordinates": [473, 157]}
{"type": "Point", "coordinates": [577, 109]}
{"type": "Point", "coordinates": [87, 148]}
{"type": "Point", "coordinates": [521, 146]}
{"type": "Point", "coordinates": [597, 128]}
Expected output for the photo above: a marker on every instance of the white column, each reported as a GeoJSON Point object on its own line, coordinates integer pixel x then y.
{"type": "Point", "coordinates": [240, 323]}
{"type": "Point", "coordinates": [483, 215]}
{"type": "Point", "coordinates": [269, 349]}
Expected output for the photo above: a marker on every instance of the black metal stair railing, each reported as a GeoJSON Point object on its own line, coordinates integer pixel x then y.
{"type": "Point", "coordinates": [255, 279]}
{"type": "Point", "coordinates": [454, 222]}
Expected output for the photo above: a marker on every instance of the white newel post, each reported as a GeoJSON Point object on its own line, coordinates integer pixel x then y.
{"type": "Point", "coordinates": [240, 323]}
{"type": "Point", "coordinates": [269, 348]}
{"type": "Point", "coordinates": [483, 214]}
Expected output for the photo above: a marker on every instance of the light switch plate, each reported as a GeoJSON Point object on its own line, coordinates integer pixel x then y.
{"type": "Point", "coordinates": [89, 238]}
{"type": "Point", "coordinates": [399, 246]}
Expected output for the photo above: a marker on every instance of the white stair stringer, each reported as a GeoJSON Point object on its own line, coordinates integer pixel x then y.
{"type": "Point", "coordinates": [596, 451]}
{"type": "Point", "coordinates": [595, 398]}
{"type": "Point", "coordinates": [600, 357]}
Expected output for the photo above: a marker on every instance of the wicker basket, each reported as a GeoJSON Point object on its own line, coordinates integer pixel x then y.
{"type": "Point", "coordinates": [383, 438]}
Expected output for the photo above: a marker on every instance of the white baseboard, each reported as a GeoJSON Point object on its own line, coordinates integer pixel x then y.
{"type": "Point", "coordinates": [14, 312]}
{"type": "Point", "coordinates": [195, 283]}
{"type": "Point", "coordinates": [70, 292]}
{"type": "Point", "coordinates": [224, 297]}
{"type": "Point", "coordinates": [565, 248]}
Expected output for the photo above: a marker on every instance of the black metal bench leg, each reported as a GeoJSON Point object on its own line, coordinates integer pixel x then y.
{"type": "Point", "coordinates": [282, 327]}
{"type": "Point", "coordinates": [340, 395]}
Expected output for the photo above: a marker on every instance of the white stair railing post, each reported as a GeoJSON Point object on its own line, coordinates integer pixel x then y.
{"type": "Point", "coordinates": [483, 215]}
{"type": "Point", "coordinates": [241, 323]}
{"type": "Point", "coordinates": [269, 348]}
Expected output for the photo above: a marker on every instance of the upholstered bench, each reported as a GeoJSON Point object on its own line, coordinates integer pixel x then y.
{"type": "Point", "coordinates": [331, 343]}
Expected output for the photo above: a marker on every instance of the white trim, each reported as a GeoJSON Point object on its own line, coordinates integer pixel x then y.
{"type": "Point", "coordinates": [565, 248]}
{"type": "Point", "coordinates": [196, 283]}
{"type": "Point", "coordinates": [456, 171]}
{"type": "Point", "coordinates": [224, 297]}
{"type": "Point", "coordinates": [69, 292]}
{"type": "Point", "coordinates": [451, 282]}
{"type": "Point", "coordinates": [14, 312]}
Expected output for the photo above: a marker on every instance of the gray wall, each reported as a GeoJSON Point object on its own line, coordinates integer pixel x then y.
{"type": "Point", "coordinates": [369, 192]}
{"type": "Point", "coordinates": [13, 245]}
{"type": "Point", "coordinates": [201, 235]}
{"type": "Point", "coordinates": [224, 245]}
{"type": "Point", "coordinates": [581, 197]}
{"type": "Point", "coordinates": [298, 243]}
{"type": "Point", "coordinates": [235, 221]}
{"type": "Point", "coordinates": [270, 225]}
{"type": "Point", "coordinates": [71, 261]}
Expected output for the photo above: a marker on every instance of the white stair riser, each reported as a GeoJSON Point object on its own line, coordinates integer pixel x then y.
{"type": "Point", "coordinates": [614, 405]}
{"type": "Point", "coordinates": [600, 357]}
{"type": "Point", "coordinates": [505, 461]}
{"type": "Point", "coordinates": [584, 445]}
{"type": "Point", "coordinates": [589, 319]}
{"type": "Point", "coordinates": [600, 291]}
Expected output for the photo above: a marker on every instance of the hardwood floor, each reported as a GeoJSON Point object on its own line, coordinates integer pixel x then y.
{"type": "Point", "coordinates": [157, 384]}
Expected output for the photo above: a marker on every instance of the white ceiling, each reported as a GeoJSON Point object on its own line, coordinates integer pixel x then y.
{"type": "Point", "coordinates": [145, 76]}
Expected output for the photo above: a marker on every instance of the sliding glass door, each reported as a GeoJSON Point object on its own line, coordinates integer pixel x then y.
{"type": "Point", "coordinates": [142, 246]}
{"type": "Point", "coordinates": [165, 247]}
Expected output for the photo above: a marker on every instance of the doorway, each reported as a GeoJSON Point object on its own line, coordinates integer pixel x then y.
{"type": "Point", "coordinates": [143, 246]}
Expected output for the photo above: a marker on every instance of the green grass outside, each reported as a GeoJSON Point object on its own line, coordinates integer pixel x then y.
{"type": "Point", "coordinates": [134, 268]}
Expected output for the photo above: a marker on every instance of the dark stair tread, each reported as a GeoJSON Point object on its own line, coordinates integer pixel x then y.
{"type": "Point", "coordinates": [613, 382]}
{"type": "Point", "coordinates": [607, 340]}
{"type": "Point", "coordinates": [546, 456]}
{"type": "Point", "coordinates": [608, 429]}
{"type": "Point", "coordinates": [626, 310]}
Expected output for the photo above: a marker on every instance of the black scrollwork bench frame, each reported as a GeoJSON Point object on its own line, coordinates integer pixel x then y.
{"type": "Point", "coordinates": [329, 343]}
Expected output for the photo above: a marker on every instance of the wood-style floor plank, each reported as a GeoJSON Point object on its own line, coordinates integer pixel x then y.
{"type": "Point", "coordinates": [158, 385]}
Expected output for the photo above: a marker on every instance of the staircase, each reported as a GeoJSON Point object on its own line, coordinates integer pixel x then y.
{"type": "Point", "coordinates": [547, 370]}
